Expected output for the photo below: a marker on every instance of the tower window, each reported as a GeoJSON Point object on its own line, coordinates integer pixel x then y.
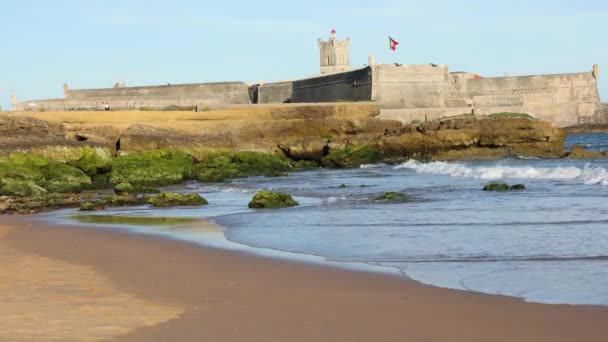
{"type": "Point", "coordinates": [327, 60]}
{"type": "Point", "coordinates": [342, 59]}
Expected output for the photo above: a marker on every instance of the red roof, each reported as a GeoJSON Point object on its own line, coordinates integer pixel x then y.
{"type": "Point", "coordinates": [333, 31]}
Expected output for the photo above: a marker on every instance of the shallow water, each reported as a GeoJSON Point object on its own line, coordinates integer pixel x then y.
{"type": "Point", "coordinates": [548, 243]}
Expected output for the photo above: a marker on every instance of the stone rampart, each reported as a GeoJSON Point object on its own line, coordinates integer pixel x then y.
{"type": "Point", "coordinates": [149, 97]}
{"type": "Point", "coordinates": [353, 85]}
{"type": "Point", "coordinates": [279, 92]}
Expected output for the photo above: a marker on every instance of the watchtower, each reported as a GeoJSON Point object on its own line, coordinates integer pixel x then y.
{"type": "Point", "coordinates": [335, 54]}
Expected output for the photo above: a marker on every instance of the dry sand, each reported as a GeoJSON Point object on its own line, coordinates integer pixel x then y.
{"type": "Point", "coordinates": [226, 296]}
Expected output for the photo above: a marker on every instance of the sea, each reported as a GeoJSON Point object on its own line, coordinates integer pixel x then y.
{"type": "Point", "coordinates": [546, 244]}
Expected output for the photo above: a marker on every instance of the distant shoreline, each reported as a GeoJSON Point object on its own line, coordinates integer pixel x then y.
{"type": "Point", "coordinates": [230, 296]}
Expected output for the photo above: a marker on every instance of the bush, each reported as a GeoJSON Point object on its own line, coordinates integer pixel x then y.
{"type": "Point", "coordinates": [510, 115]}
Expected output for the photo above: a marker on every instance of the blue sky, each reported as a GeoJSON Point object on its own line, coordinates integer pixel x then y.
{"type": "Point", "coordinates": [95, 43]}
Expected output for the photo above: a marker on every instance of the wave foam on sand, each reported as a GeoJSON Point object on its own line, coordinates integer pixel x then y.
{"type": "Point", "coordinates": [589, 174]}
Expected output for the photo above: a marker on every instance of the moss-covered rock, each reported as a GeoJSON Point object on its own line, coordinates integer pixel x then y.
{"type": "Point", "coordinates": [503, 187]}
{"type": "Point", "coordinates": [64, 178]}
{"type": "Point", "coordinates": [112, 201]}
{"type": "Point", "coordinates": [51, 175]}
{"type": "Point", "coordinates": [219, 166]}
{"type": "Point", "coordinates": [268, 199]}
{"type": "Point", "coordinates": [171, 199]}
{"type": "Point", "coordinates": [91, 206]}
{"type": "Point", "coordinates": [152, 168]}
{"type": "Point", "coordinates": [352, 157]}
{"type": "Point", "coordinates": [393, 197]}
{"type": "Point", "coordinates": [93, 160]}
{"type": "Point", "coordinates": [35, 204]}
{"type": "Point", "coordinates": [124, 188]}
{"type": "Point", "coordinates": [21, 188]}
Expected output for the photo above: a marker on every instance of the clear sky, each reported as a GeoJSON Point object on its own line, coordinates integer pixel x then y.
{"type": "Point", "coordinates": [96, 43]}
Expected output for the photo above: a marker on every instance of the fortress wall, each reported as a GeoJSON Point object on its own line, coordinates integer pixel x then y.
{"type": "Point", "coordinates": [228, 92]}
{"type": "Point", "coordinates": [410, 86]}
{"type": "Point", "coordinates": [564, 99]}
{"type": "Point", "coordinates": [353, 85]}
{"type": "Point", "coordinates": [279, 92]}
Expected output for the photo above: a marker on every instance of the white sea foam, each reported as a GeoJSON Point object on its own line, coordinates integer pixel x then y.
{"type": "Point", "coordinates": [588, 174]}
{"type": "Point", "coordinates": [372, 166]}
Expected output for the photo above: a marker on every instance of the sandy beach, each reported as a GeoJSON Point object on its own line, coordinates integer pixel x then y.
{"type": "Point", "coordinates": [74, 284]}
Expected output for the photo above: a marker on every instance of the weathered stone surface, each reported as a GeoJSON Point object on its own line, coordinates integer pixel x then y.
{"type": "Point", "coordinates": [171, 199]}
{"type": "Point", "coordinates": [352, 156]}
{"type": "Point", "coordinates": [580, 152]}
{"type": "Point", "coordinates": [219, 166]}
{"type": "Point", "coordinates": [268, 199]}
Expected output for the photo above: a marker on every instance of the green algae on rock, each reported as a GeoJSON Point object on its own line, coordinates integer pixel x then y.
{"type": "Point", "coordinates": [152, 168]}
{"type": "Point", "coordinates": [21, 188]}
{"type": "Point", "coordinates": [112, 201]}
{"type": "Point", "coordinates": [393, 197]}
{"type": "Point", "coordinates": [124, 188]}
{"type": "Point", "coordinates": [268, 199]}
{"type": "Point", "coordinates": [503, 187]}
{"type": "Point", "coordinates": [171, 199]}
{"type": "Point", "coordinates": [219, 166]}
{"type": "Point", "coordinates": [349, 157]}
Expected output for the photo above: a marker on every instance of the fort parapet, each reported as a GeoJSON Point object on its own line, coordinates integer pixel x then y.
{"type": "Point", "coordinates": [403, 92]}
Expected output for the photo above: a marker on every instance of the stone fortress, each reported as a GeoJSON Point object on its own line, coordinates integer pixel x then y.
{"type": "Point", "coordinates": [403, 92]}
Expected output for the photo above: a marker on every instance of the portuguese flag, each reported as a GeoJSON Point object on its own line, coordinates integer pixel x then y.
{"type": "Point", "coordinates": [393, 43]}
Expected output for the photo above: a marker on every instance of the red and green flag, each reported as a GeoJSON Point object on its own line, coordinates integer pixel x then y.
{"type": "Point", "coordinates": [393, 43]}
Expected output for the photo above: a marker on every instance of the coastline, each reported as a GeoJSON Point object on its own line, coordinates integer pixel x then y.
{"type": "Point", "coordinates": [232, 296]}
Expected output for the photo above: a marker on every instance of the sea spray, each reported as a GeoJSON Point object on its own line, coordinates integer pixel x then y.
{"type": "Point", "coordinates": [589, 174]}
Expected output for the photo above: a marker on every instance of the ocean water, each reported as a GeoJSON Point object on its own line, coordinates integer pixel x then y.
{"type": "Point", "coordinates": [548, 243]}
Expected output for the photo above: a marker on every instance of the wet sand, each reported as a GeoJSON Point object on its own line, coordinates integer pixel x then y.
{"type": "Point", "coordinates": [201, 294]}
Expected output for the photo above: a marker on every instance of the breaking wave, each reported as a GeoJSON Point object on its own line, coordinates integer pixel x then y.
{"type": "Point", "coordinates": [588, 174]}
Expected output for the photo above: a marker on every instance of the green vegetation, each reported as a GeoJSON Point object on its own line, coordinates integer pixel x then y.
{"type": "Point", "coordinates": [393, 197]}
{"type": "Point", "coordinates": [352, 157]}
{"type": "Point", "coordinates": [171, 199]}
{"type": "Point", "coordinates": [510, 115]}
{"type": "Point", "coordinates": [219, 166]}
{"type": "Point", "coordinates": [152, 168]}
{"type": "Point", "coordinates": [503, 187]}
{"type": "Point", "coordinates": [267, 199]}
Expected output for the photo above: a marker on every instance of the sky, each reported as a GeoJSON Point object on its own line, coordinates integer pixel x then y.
{"type": "Point", "coordinates": [96, 43]}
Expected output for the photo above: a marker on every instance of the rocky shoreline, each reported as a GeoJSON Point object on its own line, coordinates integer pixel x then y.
{"type": "Point", "coordinates": [51, 160]}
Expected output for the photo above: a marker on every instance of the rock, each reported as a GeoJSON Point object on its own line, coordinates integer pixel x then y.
{"type": "Point", "coordinates": [503, 187]}
{"type": "Point", "coordinates": [152, 168]}
{"type": "Point", "coordinates": [518, 187]}
{"type": "Point", "coordinates": [267, 199]}
{"type": "Point", "coordinates": [349, 157]}
{"type": "Point", "coordinates": [91, 206]}
{"type": "Point", "coordinates": [112, 201]}
{"type": "Point", "coordinates": [342, 186]}
{"type": "Point", "coordinates": [21, 188]}
{"type": "Point", "coordinates": [124, 188]}
{"type": "Point", "coordinates": [170, 199]}
{"type": "Point", "coordinates": [305, 149]}
{"type": "Point", "coordinates": [581, 152]}
{"type": "Point", "coordinates": [65, 179]}
{"type": "Point", "coordinates": [219, 166]}
{"type": "Point", "coordinates": [32, 205]}
{"type": "Point", "coordinates": [393, 197]}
